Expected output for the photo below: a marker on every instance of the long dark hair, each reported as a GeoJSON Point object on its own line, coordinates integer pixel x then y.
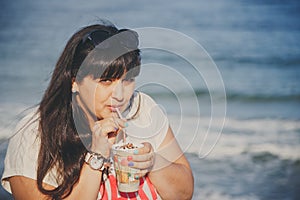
{"type": "Point", "coordinates": [62, 148]}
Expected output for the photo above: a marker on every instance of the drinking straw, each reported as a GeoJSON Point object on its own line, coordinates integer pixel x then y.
{"type": "Point", "coordinates": [121, 117]}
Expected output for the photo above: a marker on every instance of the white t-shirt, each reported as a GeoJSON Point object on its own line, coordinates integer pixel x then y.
{"type": "Point", "coordinates": [150, 125]}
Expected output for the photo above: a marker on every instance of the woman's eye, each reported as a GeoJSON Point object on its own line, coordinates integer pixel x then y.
{"type": "Point", "coordinates": [128, 80]}
{"type": "Point", "coordinates": [106, 81]}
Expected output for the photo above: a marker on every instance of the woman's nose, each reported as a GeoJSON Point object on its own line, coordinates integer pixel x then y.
{"type": "Point", "coordinates": [118, 91]}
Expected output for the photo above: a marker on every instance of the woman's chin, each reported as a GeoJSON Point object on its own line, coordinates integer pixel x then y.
{"type": "Point", "coordinates": [105, 114]}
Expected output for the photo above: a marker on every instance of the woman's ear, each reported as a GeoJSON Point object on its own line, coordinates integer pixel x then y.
{"type": "Point", "coordinates": [74, 87]}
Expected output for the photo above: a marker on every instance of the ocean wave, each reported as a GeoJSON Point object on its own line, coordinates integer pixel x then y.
{"type": "Point", "coordinates": [248, 176]}
{"type": "Point", "coordinates": [212, 139]}
{"type": "Point", "coordinates": [259, 60]}
{"type": "Point", "coordinates": [230, 96]}
{"type": "Point", "coordinates": [262, 97]}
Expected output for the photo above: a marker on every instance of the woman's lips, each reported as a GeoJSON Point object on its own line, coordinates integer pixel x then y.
{"type": "Point", "coordinates": [113, 108]}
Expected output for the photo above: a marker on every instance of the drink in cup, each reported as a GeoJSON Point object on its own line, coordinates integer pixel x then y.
{"type": "Point", "coordinates": [125, 175]}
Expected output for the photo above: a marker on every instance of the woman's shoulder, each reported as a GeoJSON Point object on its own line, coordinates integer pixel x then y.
{"type": "Point", "coordinates": [150, 123]}
{"type": "Point", "coordinates": [145, 97]}
{"type": "Point", "coordinates": [146, 100]}
{"type": "Point", "coordinates": [149, 104]}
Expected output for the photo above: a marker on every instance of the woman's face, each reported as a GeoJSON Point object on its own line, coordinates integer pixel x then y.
{"type": "Point", "coordinates": [102, 96]}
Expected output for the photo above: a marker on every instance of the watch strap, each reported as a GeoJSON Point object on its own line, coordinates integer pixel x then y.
{"type": "Point", "coordinates": [88, 157]}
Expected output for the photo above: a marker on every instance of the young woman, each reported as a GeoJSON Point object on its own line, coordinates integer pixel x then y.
{"type": "Point", "coordinates": [77, 119]}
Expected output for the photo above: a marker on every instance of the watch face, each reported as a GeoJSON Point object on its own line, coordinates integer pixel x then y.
{"type": "Point", "coordinates": [96, 163]}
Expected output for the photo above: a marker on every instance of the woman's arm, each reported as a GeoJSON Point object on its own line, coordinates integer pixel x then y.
{"type": "Point", "coordinates": [89, 181]}
{"type": "Point", "coordinates": [171, 173]}
{"type": "Point", "coordinates": [24, 188]}
{"type": "Point", "coordinates": [169, 170]}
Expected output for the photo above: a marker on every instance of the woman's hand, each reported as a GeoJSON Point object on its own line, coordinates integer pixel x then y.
{"type": "Point", "coordinates": [142, 159]}
{"type": "Point", "coordinates": [104, 134]}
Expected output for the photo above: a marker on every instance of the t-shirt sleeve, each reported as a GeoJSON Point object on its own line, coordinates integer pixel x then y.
{"type": "Point", "coordinates": [22, 152]}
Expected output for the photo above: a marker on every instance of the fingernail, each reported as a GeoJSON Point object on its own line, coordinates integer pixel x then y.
{"type": "Point", "coordinates": [129, 158]}
{"type": "Point", "coordinates": [130, 164]}
{"type": "Point", "coordinates": [136, 151]}
{"type": "Point", "coordinates": [126, 124]}
{"type": "Point", "coordinates": [116, 128]}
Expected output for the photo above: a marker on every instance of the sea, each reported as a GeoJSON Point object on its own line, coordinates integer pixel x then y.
{"type": "Point", "coordinates": [226, 73]}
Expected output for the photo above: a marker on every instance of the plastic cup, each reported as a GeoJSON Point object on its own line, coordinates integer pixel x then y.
{"type": "Point", "coordinates": [125, 175]}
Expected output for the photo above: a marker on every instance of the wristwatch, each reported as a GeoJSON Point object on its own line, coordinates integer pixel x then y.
{"type": "Point", "coordinates": [95, 161]}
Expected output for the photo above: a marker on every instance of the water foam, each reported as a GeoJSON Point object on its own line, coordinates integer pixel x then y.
{"type": "Point", "coordinates": [275, 136]}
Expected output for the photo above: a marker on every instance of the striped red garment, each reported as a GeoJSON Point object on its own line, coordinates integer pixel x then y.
{"type": "Point", "coordinates": [109, 190]}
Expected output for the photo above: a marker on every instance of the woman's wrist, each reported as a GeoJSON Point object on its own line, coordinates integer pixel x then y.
{"type": "Point", "coordinates": [101, 150]}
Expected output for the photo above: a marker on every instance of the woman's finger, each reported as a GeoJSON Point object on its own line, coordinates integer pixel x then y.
{"type": "Point", "coordinates": [105, 127]}
{"type": "Point", "coordinates": [147, 164]}
{"type": "Point", "coordinates": [108, 125]}
{"type": "Point", "coordinates": [142, 157]}
{"type": "Point", "coordinates": [147, 148]}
